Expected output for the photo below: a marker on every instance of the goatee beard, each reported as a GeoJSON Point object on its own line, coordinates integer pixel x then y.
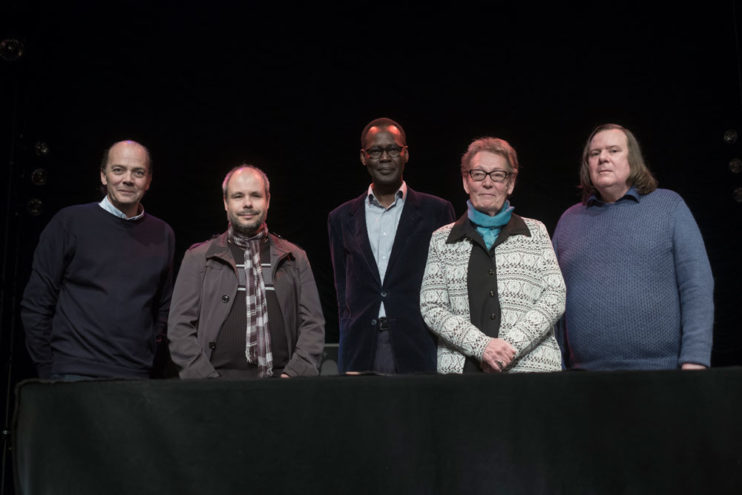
{"type": "Point", "coordinates": [247, 231]}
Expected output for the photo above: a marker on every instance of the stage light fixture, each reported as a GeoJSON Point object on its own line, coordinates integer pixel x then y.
{"type": "Point", "coordinates": [11, 49]}
{"type": "Point", "coordinates": [34, 207]}
{"type": "Point", "coordinates": [730, 136]}
{"type": "Point", "coordinates": [735, 165]}
{"type": "Point", "coordinates": [39, 177]}
{"type": "Point", "coordinates": [41, 149]}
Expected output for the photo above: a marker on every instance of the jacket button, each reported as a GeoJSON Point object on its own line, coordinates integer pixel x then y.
{"type": "Point", "coordinates": [225, 298]}
{"type": "Point", "coordinates": [492, 316]}
{"type": "Point", "coordinates": [491, 272]}
{"type": "Point", "coordinates": [492, 293]}
{"type": "Point", "coordinates": [383, 293]}
{"type": "Point", "coordinates": [374, 322]}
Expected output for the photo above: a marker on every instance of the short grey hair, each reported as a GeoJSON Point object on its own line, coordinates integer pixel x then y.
{"type": "Point", "coordinates": [493, 145]}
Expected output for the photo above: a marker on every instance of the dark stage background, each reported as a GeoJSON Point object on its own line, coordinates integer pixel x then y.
{"type": "Point", "coordinates": [288, 87]}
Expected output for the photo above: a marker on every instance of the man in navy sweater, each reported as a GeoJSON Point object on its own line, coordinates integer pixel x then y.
{"type": "Point", "coordinates": [639, 283]}
{"type": "Point", "coordinates": [101, 280]}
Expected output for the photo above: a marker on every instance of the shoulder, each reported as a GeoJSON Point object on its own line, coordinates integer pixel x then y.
{"type": "Point", "coordinates": [287, 246]}
{"type": "Point", "coordinates": [570, 216]}
{"type": "Point", "coordinates": [443, 232]}
{"type": "Point", "coordinates": [534, 226]}
{"type": "Point", "coordinates": [71, 217]}
{"type": "Point", "coordinates": [573, 210]}
{"type": "Point", "coordinates": [201, 248]}
{"type": "Point", "coordinates": [662, 197]}
{"type": "Point", "coordinates": [346, 207]}
{"type": "Point", "coordinates": [158, 223]}
{"type": "Point", "coordinates": [77, 211]}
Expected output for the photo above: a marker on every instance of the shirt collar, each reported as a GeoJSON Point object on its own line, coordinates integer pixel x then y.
{"type": "Point", "coordinates": [401, 193]}
{"type": "Point", "coordinates": [632, 193]}
{"type": "Point", "coordinates": [108, 206]}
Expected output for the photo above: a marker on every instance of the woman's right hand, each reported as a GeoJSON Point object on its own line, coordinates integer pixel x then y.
{"type": "Point", "coordinates": [497, 356]}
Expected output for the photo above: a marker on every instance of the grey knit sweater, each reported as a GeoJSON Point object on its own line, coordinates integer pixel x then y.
{"type": "Point", "coordinates": [639, 284]}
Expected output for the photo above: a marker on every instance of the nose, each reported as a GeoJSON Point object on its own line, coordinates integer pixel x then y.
{"type": "Point", "coordinates": [603, 156]}
{"type": "Point", "coordinates": [488, 182]}
{"type": "Point", "coordinates": [129, 178]}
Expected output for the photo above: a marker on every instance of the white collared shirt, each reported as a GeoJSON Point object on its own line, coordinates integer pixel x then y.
{"type": "Point", "coordinates": [381, 226]}
{"type": "Point", "coordinates": [108, 206]}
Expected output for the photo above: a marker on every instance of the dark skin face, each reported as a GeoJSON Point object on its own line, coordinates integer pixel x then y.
{"type": "Point", "coordinates": [386, 171]}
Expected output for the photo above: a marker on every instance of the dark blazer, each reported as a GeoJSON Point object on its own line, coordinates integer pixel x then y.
{"type": "Point", "coordinates": [360, 290]}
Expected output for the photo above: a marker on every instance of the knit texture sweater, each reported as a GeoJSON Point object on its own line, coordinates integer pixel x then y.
{"type": "Point", "coordinates": [530, 290]}
{"type": "Point", "coordinates": [98, 294]}
{"type": "Point", "coordinates": [639, 284]}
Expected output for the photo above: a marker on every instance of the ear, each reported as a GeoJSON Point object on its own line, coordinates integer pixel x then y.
{"type": "Point", "coordinates": [225, 203]}
{"type": "Point", "coordinates": [465, 182]}
{"type": "Point", "coordinates": [406, 155]}
{"type": "Point", "coordinates": [511, 185]}
{"type": "Point", "coordinates": [103, 178]}
{"type": "Point", "coordinates": [363, 158]}
{"type": "Point", "coordinates": [149, 182]}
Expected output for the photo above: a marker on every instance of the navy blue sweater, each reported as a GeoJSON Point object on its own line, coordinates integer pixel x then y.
{"type": "Point", "coordinates": [98, 294]}
{"type": "Point", "coordinates": [639, 284]}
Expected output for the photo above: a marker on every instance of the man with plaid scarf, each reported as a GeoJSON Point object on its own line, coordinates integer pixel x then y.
{"type": "Point", "coordinates": [245, 304]}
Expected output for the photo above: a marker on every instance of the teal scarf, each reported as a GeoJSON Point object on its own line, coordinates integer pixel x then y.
{"type": "Point", "coordinates": [489, 227]}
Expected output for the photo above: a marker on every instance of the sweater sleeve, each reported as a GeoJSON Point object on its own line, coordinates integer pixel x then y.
{"type": "Point", "coordinates": [456, 331]}
{"type": "Point", "coordinates": [165, 290]}
{"type": "Point", "coordinates": [547, 307]}
{"type": "Point", "coordinates": [560, 328]}
{"type": "Point", "coordinates": [39, 301]}
{"type": "Point", "coordinates": [695, 288]}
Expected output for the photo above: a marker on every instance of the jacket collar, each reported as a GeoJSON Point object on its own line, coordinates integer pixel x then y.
{"type": "Point", "coordinates": [411, 198]}
{"type": "Point", "coordinates": [219, 248]}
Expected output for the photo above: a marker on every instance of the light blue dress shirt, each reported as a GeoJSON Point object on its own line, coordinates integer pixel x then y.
{"type": "Point", "coordinates": [108, 206]}
{"type": "Point", "coordinates": [381, 224]}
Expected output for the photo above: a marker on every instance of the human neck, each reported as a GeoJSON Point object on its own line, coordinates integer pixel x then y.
{"type": "Point", "coordinates": [611, 195]}
{"type": "Point", "coordinates": [385, 194]}
{"type": "Point", "coordinates": [128, 210]}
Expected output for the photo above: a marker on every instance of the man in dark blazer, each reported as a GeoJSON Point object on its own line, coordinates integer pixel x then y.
{"type": "Point", "coordinates": [379, 246]}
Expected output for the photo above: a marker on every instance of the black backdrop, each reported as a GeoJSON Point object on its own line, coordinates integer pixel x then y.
{"type": "Point", "coordinates": [288, 87]}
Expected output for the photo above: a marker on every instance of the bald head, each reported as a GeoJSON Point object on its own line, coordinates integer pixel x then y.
{"type": "Point", "coordinates": [127, 148]}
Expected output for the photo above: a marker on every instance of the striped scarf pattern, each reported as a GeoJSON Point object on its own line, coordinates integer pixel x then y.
{"type": "Point", "coordinates": [257, 338]}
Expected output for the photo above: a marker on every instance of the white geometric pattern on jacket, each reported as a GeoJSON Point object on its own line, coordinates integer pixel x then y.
{"type": "Point", "coordinates": [531, 291]}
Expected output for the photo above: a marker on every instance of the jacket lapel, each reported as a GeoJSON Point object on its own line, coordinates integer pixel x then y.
{"type": "Point", "coordinates": [357, 225]}
{"type": "Point", "coordinates": [408, 223]}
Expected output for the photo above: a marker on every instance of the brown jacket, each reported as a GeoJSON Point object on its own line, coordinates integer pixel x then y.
{"type": "Point", "coordinates": [205, 290]}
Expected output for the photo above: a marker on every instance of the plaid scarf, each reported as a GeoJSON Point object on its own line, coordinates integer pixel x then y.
{"type": "Point", "coordinates": [258, 338]}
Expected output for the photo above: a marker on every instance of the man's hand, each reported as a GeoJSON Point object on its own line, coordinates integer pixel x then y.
{"type": "Point", "coordinates": [284, 375]}
{"type": "Point", "coordinates": [497, 356]}
{"type": "Point", "coordinates": [692, 366]}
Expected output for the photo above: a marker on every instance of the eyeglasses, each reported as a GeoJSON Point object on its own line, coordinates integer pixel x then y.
{"type": "Point", "coordinates": [392, 151]}
{"type": "Point", "coordinates": [496, 175]}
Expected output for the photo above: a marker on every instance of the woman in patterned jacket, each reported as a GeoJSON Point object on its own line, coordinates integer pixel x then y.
{"type": "Point", "coordinates": [492, 290]}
